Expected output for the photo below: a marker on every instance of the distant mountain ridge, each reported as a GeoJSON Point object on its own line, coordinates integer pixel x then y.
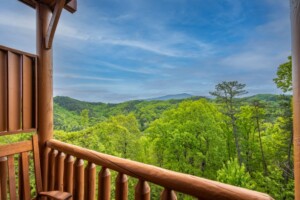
{"type": "Point", "coordinates": [67, 111]}
{"type": "Point", "coordinates": [172, 96]}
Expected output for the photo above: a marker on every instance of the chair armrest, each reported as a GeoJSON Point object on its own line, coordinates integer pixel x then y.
{"type": "Point", "coordinates": [57, 195]}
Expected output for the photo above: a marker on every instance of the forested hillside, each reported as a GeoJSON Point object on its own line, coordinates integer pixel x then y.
{"type": "Point", "coordinates": [193, 135]}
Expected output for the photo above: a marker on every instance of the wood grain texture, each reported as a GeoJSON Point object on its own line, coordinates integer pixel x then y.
{"type": "Point", "coordinates": [188, 184]}
{"type": "Point", "coordinates": [37, 164]}
{"type": "Point", "coordinates": [104, 184]}
{"type": "Point", "coordinates": [57, 195]}
{"type": "Point", "coordinates": [51, 174]}
{"type": "Point", "coordinates": [45, 168]}
{"type": "Point", "coordinates": [24, 184]}
{"type": "Point", "coordinates": [121, 187]}
{"type": "Point", "coordinates": [90, 181]}
{"type": "Point", "coordinates": [78, 179]}
{"type": "Point", "coordinates": [3, 178]}
{"type": "Point", "coordinates": [11, 178]}
{"type": "Point", "coordinates": [168, 195]}
{"type": "Point", "coordinates": [295, 25]}
{"type": "Point", "coordinates": [58, 7]}
{"type": "Point", "coordinates": [14, 92]}
{"type": "Point", "coordinates": [69, 174]}
{"type": "Point", "coordinates": [15, 148]}
{"type": "Point", "coordinates": [3, 91]}
{"type": "Point", "coordinates": [59, 180]}
{"type": "Point", "coordinates": [45, 79]}
{"type": "Point", "coordinates": [142, 190]}
{"type": "Point", "coordinates": [28, 96]}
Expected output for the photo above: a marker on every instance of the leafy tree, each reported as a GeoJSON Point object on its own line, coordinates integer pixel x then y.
{"type": "Point", "coordinates": [226, 92]}
{"type": "Point", "coordinates": [84, 118]}
{"type": "Point", "coordinates": [235, 174]}
{"type": "Point", "coordinates": [284, 76]}
{"type": "Point", "coordinates": [258, 113]}
{"type": "Point", "coordinates": [190, 138]}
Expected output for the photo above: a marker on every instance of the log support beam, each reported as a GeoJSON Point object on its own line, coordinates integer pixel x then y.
{"type": "Point", "coordinates": [295, 24]}
{"type": "Point", "coordinates": [45, 79]}
{"type": "Point", "coordinates": [53, 23]}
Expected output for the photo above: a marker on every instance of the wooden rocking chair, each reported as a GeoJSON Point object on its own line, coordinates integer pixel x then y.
{"type": "Point", "coordinates": [7, 153]}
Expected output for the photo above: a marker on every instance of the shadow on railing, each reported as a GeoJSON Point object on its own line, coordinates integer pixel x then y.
{"type": "Point", "coordinates": [66, 174]}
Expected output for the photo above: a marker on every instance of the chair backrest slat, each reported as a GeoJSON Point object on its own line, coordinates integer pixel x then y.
{"type": "Point", "coordinates": [24, 184]}
{"type": "Point", "coordinates": [12, 177]}
{"type": "Point", "coordinates": [7, 166]}
{"type": "Point", "coordinates": [3, 178]}
{"type": "Point", "coordinates": [15, 148]}
{"type": "Point", "coordinates": [37, 167]}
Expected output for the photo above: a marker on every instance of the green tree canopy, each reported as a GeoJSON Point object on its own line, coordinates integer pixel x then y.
{"type": "Point", "coordinates": [284, 76]}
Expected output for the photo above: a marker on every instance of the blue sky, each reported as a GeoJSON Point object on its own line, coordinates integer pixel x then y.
{"type": "Point", "coordinates": [118, 50]}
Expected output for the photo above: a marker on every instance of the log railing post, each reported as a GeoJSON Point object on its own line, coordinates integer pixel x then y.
{"type": "Point", "coordinates": [295, 23]}
{"type": "Point", "coordinates": [121, 187]}
{"type": "Point", "coordinates": [90, 181]}
{"type": "Point", "coordinates": [168, 195]}
{"type": "Point", "coordinates": [104, 184]}
{"type": "Point", "coordinates": [78, 193]}
{"type": "Point", "coordinates": [69, 174]}
{"type": "Point", "coordinates": [142, 190]}
{"type": "Point", "coordinates": [59, 180]}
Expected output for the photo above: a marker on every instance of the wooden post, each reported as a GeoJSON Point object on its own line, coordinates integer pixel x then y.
{"type": "Point", "coordinates": [295, 23]}
{"type": "Point", "coordinates": [45, 73]}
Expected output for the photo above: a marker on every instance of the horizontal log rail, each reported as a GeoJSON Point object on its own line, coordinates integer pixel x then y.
{"type": "Point", "coordinates": [200, 188]}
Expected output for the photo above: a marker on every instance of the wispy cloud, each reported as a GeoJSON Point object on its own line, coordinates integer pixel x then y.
{"type": "Point", "coordinates": [119, 50]}
{"type": "Point", "coordinates": [76, 76]}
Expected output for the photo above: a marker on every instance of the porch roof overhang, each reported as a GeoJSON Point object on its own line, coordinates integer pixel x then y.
{"type": "Point", "coordinates": [71, 5]}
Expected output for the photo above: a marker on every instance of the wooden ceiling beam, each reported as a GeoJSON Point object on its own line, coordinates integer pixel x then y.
{"type": "Point", "coordinates": [71, 5]}
{"type": "Point", "coordinates": [30, 3]}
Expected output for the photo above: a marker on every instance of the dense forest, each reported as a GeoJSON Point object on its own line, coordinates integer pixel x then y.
{"type": "Point", "coordinates": [233, 138]}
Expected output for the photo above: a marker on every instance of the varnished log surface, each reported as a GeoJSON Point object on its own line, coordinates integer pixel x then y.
{"type": "Point", "coordinates": [121, 187]}
{"type": "Point", "coordinates": [104, 184]}
{"type": "Point", "coordinates": [168, 195]}
{"type": "Point", "coordinates": [51, 174]}
{"type": "Point", "coordinates": [295, 24]}
{"type": "Point", "coordinates": [79, 179]}
{"type": "Point", "coordinates": [142, 190]}
{"type": "Point", "coordinates": [45, 169]}
{"type": "Point", "coordinates": [192, 185]}
{"type": "Point", "coordinates": [45, 78]}
{"type": "Point", "coordinates": [68, 175]}
{"type": "Point", "coordinates": [90, 182]}
{"type": "Point", "coordinates": [59, 180]}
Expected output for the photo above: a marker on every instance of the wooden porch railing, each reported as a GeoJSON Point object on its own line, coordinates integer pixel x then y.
{"type": "Point", "coordinates": [67, 173]}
